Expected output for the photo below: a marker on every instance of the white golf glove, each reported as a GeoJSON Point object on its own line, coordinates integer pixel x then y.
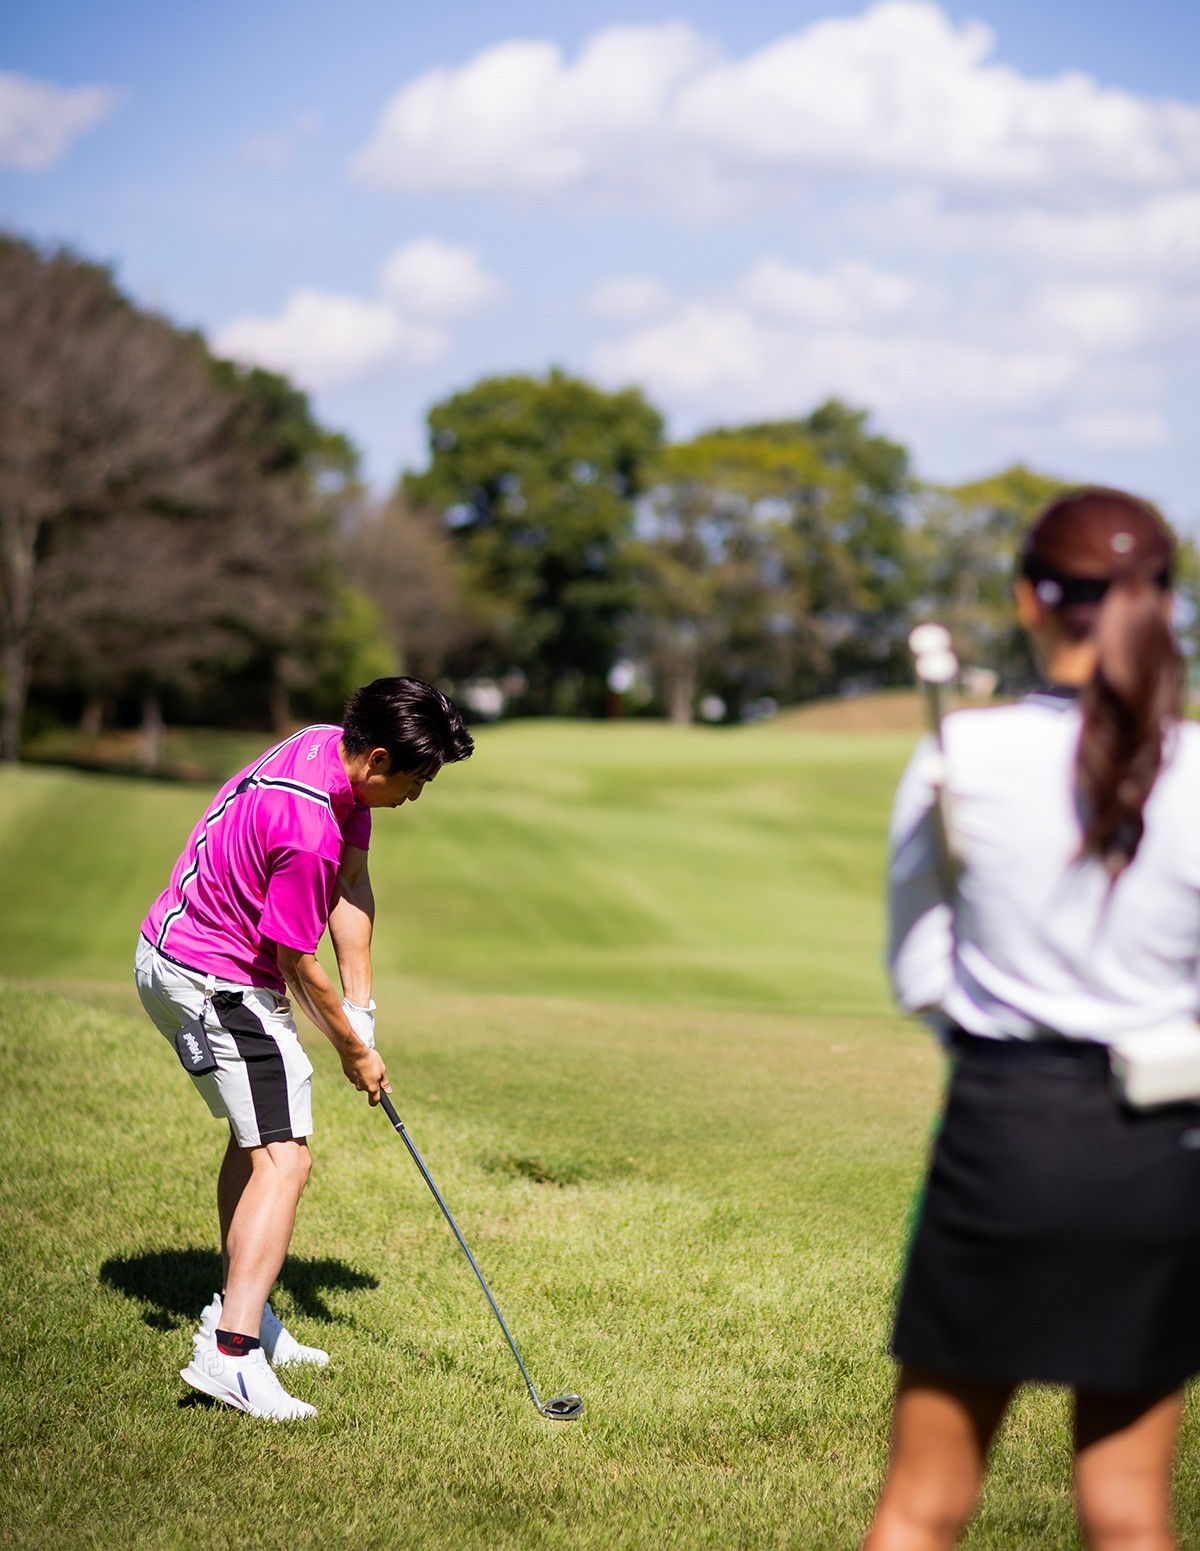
{"type": "Point", "coordinates": [361, 1020]}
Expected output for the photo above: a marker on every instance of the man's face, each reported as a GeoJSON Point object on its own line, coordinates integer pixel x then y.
{"type": "Point", "coordinates": [378, 789]}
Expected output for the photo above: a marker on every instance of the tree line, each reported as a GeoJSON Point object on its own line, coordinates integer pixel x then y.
{"type": "Point", "coordinates": [180, 536]}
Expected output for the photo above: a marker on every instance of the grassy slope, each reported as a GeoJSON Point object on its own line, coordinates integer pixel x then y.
{"type": "Point", "coordinates": [739, 868]}
{"type": "Point", "coordinates": [691, 1213]}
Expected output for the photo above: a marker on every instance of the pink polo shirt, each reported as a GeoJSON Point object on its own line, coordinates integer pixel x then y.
{"type": "Point", "coordinates": [261, 866]}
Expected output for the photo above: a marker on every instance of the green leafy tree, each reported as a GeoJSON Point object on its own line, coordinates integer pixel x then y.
{"type": "Point", "coordinates": [536, 479]}
{"type": "Point", "coordinates": [308, 629]}
{"type": "Point", "coordinates": [965, 540]}
{"type": "Point", "coordinates": [774, 560]}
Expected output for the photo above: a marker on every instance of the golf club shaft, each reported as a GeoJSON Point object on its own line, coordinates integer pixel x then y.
{"type": "Point", "coordinates": [389, 1110]}
{"type": "Point", "coordinates": [935, 707]}
{"type": "Point", "coordinates": [943, 826]}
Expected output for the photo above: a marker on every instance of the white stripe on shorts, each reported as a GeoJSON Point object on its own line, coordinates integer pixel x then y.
{"type": "Point", "coordinates": [263, 1082]}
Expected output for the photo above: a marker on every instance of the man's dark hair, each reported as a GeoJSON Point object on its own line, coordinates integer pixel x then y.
{"type": "Point", "coordinates": [420, 727]}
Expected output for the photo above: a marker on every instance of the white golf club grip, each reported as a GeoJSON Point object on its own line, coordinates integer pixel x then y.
{"type": "Point", "coordinates": [937, 667]}
{"type": "Point", "coordinates": [928, 638]}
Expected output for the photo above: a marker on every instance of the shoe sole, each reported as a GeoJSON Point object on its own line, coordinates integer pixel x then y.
{"type": "Point", "coordinates": [208, 1386]}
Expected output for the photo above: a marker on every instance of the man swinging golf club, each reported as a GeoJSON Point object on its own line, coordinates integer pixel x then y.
{"type": "Point", "coordinates": [280, 854]}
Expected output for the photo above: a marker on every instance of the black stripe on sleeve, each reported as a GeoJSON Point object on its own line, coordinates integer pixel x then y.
{"type": "Point", "coordinates": [265, 1067]}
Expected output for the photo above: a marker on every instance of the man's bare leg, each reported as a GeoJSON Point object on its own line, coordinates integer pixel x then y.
{"type": "Point", "coordinates": [231, 1181]}
{"type": "Point", "coordinates": [258, 1190]}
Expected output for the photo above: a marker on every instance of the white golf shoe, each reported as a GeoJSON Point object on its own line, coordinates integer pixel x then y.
{"type": "Point", "coordinates": [280, 1345]}
{"type": "Point", "coordinates": [247, 1383]}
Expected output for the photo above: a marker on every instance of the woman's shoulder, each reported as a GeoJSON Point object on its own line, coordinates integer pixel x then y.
{"type": "Point", "coordinates": [1036, 719]}
{"type": "Point", "coordinates": [1183, 750]}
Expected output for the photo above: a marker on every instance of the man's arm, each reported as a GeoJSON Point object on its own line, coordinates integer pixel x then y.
{"type": "Point", "coordinates": [313, 990]}
{"type": "Point", "coordinates": [350, 924]}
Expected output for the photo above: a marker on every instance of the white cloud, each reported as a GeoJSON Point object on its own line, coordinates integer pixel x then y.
{"type": "Point", "coordinates": [275, 149]}
{"type": "Point", "coordinates": [323, 339]}
{"type": "Point", "coordinates": [725, 362]}
{"type": "Point", "coordinates": [1100, 317]}
{"type": "Point", "coordinates": [626, 298]}
{"type": "Point", "coordinates": [1073, 352]}
{"type": "Point", "coordinates": [899, 90]}
{"type": "Point", "coordinates": [850, 294]}
{"type": "Point", "coordinates": [1116, 429]}
{"type": "Point", "coordinates": [39, 120]}
{"type": "Point", "coordinates": [1156, 235]}
{"type": "Point", "coordinates": [428, 278]}
{"type": "Point", "coordinates": [518, 117]}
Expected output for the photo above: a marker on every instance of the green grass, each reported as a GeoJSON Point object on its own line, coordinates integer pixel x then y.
{"type": "Point", "coordinates": [631, 862]}
{"type": "Point", "coordinates": [634, 1020]}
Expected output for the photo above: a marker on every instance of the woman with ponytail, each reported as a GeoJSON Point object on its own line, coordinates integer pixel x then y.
{"type": "Point", "coordinates": [1058, 1236]}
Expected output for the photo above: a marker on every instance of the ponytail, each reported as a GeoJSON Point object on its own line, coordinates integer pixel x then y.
{"type": "Point", "coordinates": [1134, 694]}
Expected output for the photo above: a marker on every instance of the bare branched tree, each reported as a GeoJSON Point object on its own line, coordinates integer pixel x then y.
{"type": "Point", "coordinates": [137, 604]}
{"type": "Point", "coordinates": [402, 559]}
{"type": "Point", "coordinates": [105, 413]}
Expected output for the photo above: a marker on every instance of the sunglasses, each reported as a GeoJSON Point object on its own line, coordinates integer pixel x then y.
{"type": "Point", "coordinates": [1057, 591]}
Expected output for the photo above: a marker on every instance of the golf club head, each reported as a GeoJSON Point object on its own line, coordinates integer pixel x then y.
{"type": "Point", "coordinates": [563, 1408]}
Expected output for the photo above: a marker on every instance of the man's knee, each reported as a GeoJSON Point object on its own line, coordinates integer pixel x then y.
{"type": "Point", "coordinates": [291, 1161]}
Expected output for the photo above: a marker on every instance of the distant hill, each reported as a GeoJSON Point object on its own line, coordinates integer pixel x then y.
{"type": "Point", "coordinates": [891, 710]}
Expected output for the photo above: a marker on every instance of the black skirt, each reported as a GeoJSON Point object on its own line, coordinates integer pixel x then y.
{"type": "Point", "coordinates": [1058, 1238]}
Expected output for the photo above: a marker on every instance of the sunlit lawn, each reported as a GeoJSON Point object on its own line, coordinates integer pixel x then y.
{"type": "Point", "coordinates": [631, 1002]}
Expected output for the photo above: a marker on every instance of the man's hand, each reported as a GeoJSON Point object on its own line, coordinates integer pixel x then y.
{"type": "Point", "coordinates": [365, 1069]}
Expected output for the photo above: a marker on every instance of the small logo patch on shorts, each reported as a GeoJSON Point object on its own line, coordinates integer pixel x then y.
{"type": "Point", "coordinates": [193, 1049]}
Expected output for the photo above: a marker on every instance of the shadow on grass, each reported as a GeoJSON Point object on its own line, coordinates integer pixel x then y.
{"type": "Point", "coordinates": [177, 1283]}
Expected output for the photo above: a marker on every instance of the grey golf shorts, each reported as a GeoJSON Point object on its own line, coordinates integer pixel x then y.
{"type": "Point", "coordinates": [263, 1082]}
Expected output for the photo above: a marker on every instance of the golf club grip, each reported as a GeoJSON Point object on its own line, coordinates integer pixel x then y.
{"type": "Point", "coordinates": [389, 1110]}
{"type": "Point", "coordinates": [934, 709]}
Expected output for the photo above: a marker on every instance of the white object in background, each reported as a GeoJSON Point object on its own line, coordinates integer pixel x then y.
{"type": "Point", "coordinates": [622, 676]}
{"type": "Point", "coordinates": [1159, 1065]}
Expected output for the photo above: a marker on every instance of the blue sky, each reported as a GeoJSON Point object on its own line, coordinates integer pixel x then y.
{"type": "Point", "coordinates": [981, 222]}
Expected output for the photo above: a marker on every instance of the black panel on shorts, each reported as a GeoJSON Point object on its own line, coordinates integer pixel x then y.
{"type": "Point", "coordinates": [264, 1066]}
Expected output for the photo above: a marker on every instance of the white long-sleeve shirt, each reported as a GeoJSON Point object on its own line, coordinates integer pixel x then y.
{"type": "Point", "coordinates": [1035, 941]}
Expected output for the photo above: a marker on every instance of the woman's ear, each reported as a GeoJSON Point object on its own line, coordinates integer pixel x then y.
{"type": "Point", "coordinates": [1030, 612]}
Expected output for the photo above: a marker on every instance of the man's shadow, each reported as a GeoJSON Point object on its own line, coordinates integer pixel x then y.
{"type": "Point", "coordinates": [175, 1284]}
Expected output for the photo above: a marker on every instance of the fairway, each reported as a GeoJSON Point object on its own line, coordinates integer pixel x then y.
{"type": "Point", "coordinates": [631, 1001]}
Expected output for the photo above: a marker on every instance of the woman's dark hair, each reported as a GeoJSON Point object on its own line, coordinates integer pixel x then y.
{"type": "Point", "coordinates": [420, 727]}
{"type": "Point", "coordinates": [1102, 560]}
